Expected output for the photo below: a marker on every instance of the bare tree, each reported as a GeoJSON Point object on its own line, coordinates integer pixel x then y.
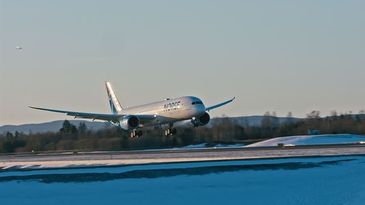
{"type": "Point", "coordinates": [315, 114]}
{"type": "Point", "coordinates": [333, 113]}
{"type": "Point", "coordinates": [266, 120]}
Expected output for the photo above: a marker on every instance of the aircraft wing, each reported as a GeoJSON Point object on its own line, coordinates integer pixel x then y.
{"type": "Point", "coordinates": [98, 116]}
{"type": "Point", "coordinates": [219, 105]}
{"type": "Point", "coordinates": [85, 115]}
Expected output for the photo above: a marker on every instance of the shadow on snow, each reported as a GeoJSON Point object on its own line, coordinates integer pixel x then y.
{"type": "Point", "coordinates": [157, 173]}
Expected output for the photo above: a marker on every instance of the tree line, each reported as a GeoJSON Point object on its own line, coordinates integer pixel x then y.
{"type": "Point", "coordinates": [223, 130]}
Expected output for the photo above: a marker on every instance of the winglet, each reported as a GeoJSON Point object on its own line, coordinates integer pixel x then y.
{"type": "Point", "coordinates": [49, 110]}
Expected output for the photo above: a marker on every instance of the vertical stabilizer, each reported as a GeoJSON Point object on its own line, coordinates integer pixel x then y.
{"type": "Point", "coordinates": [113, 100]}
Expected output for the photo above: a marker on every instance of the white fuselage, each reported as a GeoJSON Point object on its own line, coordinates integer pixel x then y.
{"type": "Point", "coordinates": [165, 112]}
{"type": "Point", "coordinates": [169, 110]}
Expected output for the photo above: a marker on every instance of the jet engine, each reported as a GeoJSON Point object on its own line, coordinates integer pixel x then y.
{"type": "Point", "coordinates": [129, 122]}
{"type": "Point", "coordinates": [201, 121]}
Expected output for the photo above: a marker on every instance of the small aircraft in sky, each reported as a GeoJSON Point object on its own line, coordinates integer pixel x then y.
{"type": "Point", "coordinates": [156, 114]}
{"type": "Point", "coordinates": [19, 48]}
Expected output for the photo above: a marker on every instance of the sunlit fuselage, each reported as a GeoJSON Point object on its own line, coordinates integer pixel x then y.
{"type": "Point", "coordinates": [169, 110]}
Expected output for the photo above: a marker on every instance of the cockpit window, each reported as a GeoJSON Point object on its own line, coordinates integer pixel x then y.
{"type": "Point", "coordinates": [197, 103]}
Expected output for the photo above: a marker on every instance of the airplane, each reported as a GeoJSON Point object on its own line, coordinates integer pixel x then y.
{"type": "Point", "coordinates": [156, 114]}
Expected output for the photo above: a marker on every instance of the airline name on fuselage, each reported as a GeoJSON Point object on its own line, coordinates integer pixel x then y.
{"type": "Point", "coordinates": [172, 106]}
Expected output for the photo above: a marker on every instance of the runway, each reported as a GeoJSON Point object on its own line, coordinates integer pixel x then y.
{"type": "Point", "coordinates": [124, 158]}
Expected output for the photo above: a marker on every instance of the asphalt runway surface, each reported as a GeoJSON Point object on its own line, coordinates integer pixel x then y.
{"type": "Point", "coordinates": [29, 161]}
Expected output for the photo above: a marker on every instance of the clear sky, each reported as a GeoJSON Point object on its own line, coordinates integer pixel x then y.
{"type": "Point", "coordinates": [272, 55]}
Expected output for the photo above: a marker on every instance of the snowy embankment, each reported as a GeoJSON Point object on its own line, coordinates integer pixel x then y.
{"type": "Point", "coordinates": [310, 140]}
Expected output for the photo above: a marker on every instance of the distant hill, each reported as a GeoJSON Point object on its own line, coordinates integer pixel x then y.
{"type": "Point", "coordinates": [55, 126]}
{"type": "Point", "coordinates": [256, 120]}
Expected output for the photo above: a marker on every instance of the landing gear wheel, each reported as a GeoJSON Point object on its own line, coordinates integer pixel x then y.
{"type": "Point", "coordinates": [136, 133]}
{"type": "Point", "coordinates": [170, 132]}
{"type": "Point", "coordinates": [173, 131]}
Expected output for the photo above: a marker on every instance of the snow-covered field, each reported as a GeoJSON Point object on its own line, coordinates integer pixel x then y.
{"type": "Point", "coordinates": [311, 140]}
{"type": "Point", "coordinates": [330, 180]}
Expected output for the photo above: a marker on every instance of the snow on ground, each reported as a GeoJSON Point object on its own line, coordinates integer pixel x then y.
{"type": "Point", "coordinates": [333, 181]}
{"type": "Point", "coordinates": [310, 140]}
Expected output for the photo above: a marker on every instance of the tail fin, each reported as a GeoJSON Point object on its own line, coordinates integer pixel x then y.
{"type": "Point", "coordinates": [113, 100]}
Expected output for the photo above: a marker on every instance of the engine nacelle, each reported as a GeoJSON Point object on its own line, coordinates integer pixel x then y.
{"type": "Point", "coordinates": [129, 122]}
{"type": "Point", "coordinates": [201, 121]}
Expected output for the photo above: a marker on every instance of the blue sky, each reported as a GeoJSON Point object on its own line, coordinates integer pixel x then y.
{"type": "Point", "coordinates": [273, 55]}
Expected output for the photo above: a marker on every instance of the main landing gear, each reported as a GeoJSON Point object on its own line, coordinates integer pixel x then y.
{"type": "Point", "coordinates": [170, 131]}
{"type": "Point", "coordinates": [136, 133]}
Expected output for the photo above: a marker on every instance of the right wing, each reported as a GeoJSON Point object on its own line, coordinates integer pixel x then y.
{"type": "Point", "coordinates": [85, 115]}
{"type": "Point", "coordinates": [219, 105]}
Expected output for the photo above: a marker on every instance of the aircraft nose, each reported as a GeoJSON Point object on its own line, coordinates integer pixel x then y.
{"type": "Point", "coordinates": [200, 109]}
{"type": "Point", "coordinates": [198, 106]}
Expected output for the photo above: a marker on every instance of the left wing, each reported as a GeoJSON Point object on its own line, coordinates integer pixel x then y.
{"type": "Point", "coordinates": [99, 116]}
{"type": "Point", "coordinates": [219, 105]}
{"type": "Point", "coordinates": [85, 115]}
